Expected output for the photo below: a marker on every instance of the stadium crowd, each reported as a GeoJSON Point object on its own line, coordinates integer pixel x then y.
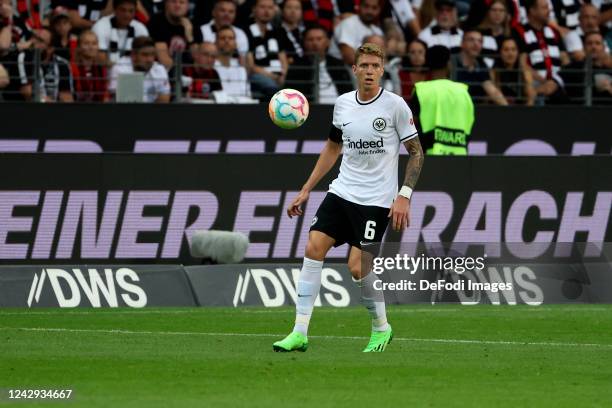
{"type": "Point", "coordinates": [529, 52]}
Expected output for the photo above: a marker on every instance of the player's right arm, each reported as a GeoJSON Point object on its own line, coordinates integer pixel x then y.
{"type": "Point", "coordinates": [328, 157]}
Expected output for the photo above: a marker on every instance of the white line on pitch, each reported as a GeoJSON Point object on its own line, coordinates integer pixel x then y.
{"type": "Point", "coordinates": [175, 333]}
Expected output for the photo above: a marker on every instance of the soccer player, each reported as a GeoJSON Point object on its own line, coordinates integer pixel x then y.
{"type": "Point", "coordinates": [369, 124]}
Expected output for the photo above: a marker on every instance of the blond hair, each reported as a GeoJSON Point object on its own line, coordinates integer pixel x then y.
{"type": "Point", "coordinates": [370, 49]}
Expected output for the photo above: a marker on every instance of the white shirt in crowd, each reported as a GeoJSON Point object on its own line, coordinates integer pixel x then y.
{"type": "Point", "coordinates": [234, 78]}
{"type": "Point", "coordinates": [327, 89]}
{"type": "Point", "coordinates": [372, 132]}
{"type": "Point", "coordinates": [351, 31]}
{"type": "Point", "coordinates": [156, 81]}
{"type": "Point", "coordinates": [573, 41]}
{"type": "Point", "coordinates": [444, 37]}
{"type": "Point", "coordinates": [242, 41]}
{"type": "Point", "coordinates": [107, 34]}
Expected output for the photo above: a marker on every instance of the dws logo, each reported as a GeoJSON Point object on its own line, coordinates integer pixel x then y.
{"type": "Point", "coordinates": [272, 287]}
{"type": "Point", "coordinates": [74, 285]}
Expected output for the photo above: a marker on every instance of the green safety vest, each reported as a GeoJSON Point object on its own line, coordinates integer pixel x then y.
{"type": "Point", "coordinates": [447, 116]}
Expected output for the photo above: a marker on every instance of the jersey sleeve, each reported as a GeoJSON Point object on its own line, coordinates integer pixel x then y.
{"type": "Point", "coordinates": [404, 122]}
{"type": "Point", "coordinates": [335, 132]}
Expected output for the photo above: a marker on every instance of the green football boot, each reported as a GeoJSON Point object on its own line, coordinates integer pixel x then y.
{"type": "Point", "coordinates": [293, 342]}
{"type": "Point", "coordinates": [379, 340]}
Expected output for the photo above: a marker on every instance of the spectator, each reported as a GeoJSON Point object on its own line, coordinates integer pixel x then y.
{"type": "Point", "coordinates": [443, 30]}
{"type": "Point", "coordinates": [142, 59]}
{"type": "Point", "coordinates": [471, 69]}
{"type": "Point", "coordinates": [566, 14]}
{"type": "Point", "coordinates": [29, 12]}
{"type": "Point", "coordinates": [14, 32]}
{"type": "Point", "coordinates": [605, 10]}
{"type": "Point", "coordinates": [6, 26]}
{"type": "Point", "coordinates": [117, 31]}
{"type": "Point", "coordinates": [266, 62]}
{"type": "Point", "coordinates": [327, 13]}
{"type": "Point", "coordinates": [494, 28]}
{"type": "Point", "coordinates": [83, 14]}
{"type": "Point", "coordinates": [395, 40]}
{"type": "Point", "coordinates": [231, 70]}
{"type": "Point", "coordinates": [515, 83]}
{"type": "Point", "coordinates": [399, 13]}
{"type": "Point", "coordinates": [480, 8]}
{"type": "Point", "coordinates": [413, 68]}
{"type": "Point", "coordinates": [54, 80]}
{"type": "Point", "coordinates": [4, 78]}
{"type": "Point", "coordinates": [173, 32]}
{"type": "Point", "coordinates": [90, 77]}
{"type": "Point", "coordinates": [292, 30]}
{"type": "Point", "coordinates": [204, 78]}
{"type": "Point", "coordinates": [425, 11]}
{"type": "Point", "coordinates": [588, 22]}
{"type": "Point", "coordinates": [150, 8]}
{"type": "Point", "coordinates": [224, 14]}
{"type": "Point", "coordinates": [333, 77]}
{"type": "Point", "coordinates": [601, 72]}
{"type": "Point", "coordinates": [349, 34]}
{"type": "Point", "coordinates": [64, 43]}
{"type": "Point", "coordinates": [542, 50]}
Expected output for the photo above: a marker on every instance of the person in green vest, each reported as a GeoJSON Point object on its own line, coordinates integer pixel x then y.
{"type": "Point", "coordinates": [443, 108]}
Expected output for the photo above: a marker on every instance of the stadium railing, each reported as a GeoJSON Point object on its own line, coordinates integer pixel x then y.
{"type": "Point", "coordinates": [580, 85]}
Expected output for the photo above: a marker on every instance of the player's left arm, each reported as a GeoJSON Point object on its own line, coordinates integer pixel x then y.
{"type": "Point", "coordinates": [408, 135]}
{"type": "Point", "coordinates": [400, 210]}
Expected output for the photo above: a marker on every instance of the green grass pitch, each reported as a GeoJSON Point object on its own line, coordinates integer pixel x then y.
{"type": "Point", "coordinates": [442, 356]}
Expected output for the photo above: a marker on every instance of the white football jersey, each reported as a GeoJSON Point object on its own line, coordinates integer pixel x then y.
{"type": "Point", "coordinates": [372, 133]}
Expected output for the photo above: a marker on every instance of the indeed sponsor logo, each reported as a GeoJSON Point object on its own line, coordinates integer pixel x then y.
{"type": "Point", "coordinates": [69, 289]}
{"type": "Point", "coordinates": [274, 288]}
{"type": "Point", "coordinates": [364, 144]}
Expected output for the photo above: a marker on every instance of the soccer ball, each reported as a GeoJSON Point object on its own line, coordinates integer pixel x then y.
{"type": "Point", "coordinates": [288, 108]}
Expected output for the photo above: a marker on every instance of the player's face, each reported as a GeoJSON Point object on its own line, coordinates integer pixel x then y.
{"type": "Point", "coordinates": [368, 70]}
{"type": "Point", "coordinates": [264, 11]}
{"type": "Point", "coordinates": [224, 13]}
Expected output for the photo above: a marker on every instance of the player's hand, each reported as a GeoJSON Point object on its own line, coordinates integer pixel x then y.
{"type": "Point", "coordinates": [400, 213]}
{"type": "Point", "coordinates": [295, 208]}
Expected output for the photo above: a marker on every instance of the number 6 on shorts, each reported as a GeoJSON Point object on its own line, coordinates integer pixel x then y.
{"type": "Point", "coordinates": [370, 229]}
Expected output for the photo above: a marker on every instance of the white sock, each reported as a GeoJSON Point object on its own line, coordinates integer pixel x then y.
{"type": "Point", "coordinates": [309, 283]}
{"type": "Point", "coordinates": [374, 301]}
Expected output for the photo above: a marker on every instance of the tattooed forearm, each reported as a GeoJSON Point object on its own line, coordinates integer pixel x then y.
{"type": "Point", "coordinates": [415, 162]}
